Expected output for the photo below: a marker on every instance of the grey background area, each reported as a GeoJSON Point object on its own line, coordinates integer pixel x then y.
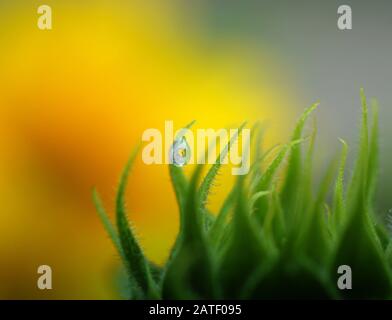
{"type": "Point", "coordinates": [325, 64]}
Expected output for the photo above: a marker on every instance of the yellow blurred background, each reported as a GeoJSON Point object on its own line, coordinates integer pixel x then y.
{"type": "Point", "coordinates": [75, 100]}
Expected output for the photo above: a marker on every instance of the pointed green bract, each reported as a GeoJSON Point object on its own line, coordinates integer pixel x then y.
{"type": "Point", "coordinates": [206, 184]}
{"type": "Point", "coordinates": [178, 179]}
{"type": "Point", "coordinates": [193, 262]}
{"type": "Point", "coordinates": [136, 264]}
{"type": "Point", "coordinates": [256, 170]}
{"type": "Point", "coordinates": [245, 250]}
{"type": "Point", "coordinates": [293, 179]}
{"type": "Point", "coordinates": [313, 238]}
{"type": "Point", "coordinates": [359, 236]}
{"type": "Point", "coordinates": [216, 231]}
{"type": "Point", "coordinates": [308, 168]}
{"type": "Point", "coordinates": [339, 206]}
{"type": "Point", "coordinates": [180, 187]}
{"type": "Point", "coordinates": [358, 184]}
{"type": "Point", "coordinates": [373, 155]}
{"type": "Point", "coordinates": [261, 205]}
{"type": "Point", "coordinates": [111, 231]}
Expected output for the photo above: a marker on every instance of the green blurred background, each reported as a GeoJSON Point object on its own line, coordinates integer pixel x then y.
{"type": "Point", "coordinates": [75, 100]}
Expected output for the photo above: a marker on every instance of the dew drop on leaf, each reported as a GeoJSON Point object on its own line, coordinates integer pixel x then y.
{"type": "Point", "coordinates": [180, 152]}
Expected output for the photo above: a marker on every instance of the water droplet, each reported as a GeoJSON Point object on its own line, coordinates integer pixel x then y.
{"type": "Point", "coordinates": [180, 152]}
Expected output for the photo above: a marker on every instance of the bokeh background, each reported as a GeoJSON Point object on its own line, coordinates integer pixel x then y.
{"type": "Point", "coordinates": [76, 99]}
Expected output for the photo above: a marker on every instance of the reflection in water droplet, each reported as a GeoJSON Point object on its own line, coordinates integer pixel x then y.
{"type": "Point", "coordinates": [180, 152]}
